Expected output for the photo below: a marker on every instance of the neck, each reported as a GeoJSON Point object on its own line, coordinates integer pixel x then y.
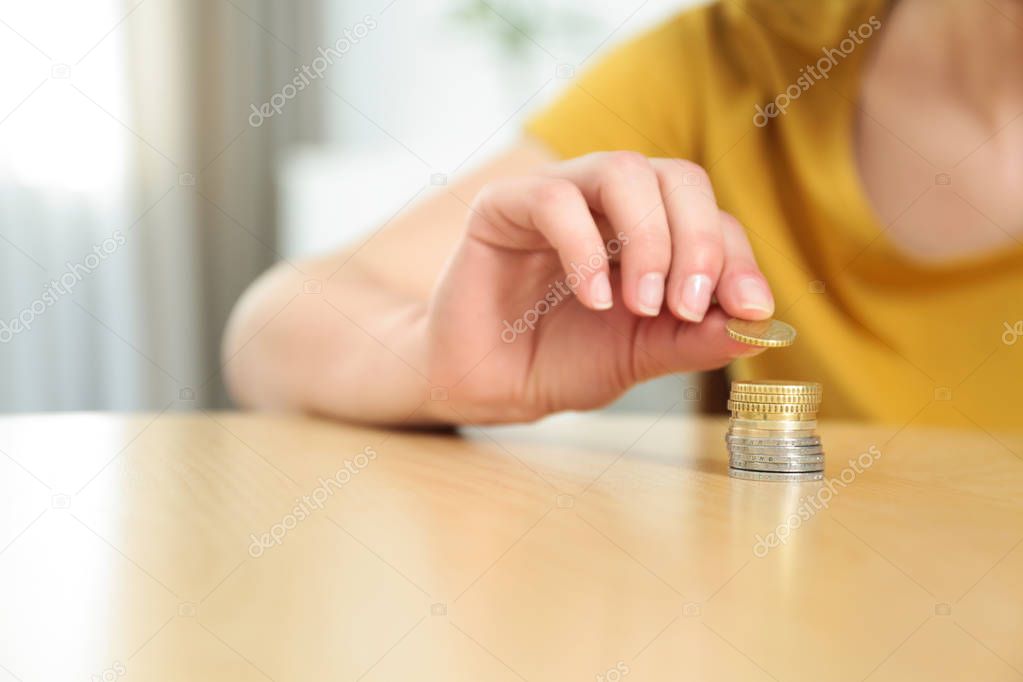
{"type": "Point", "coordinates": [978, 47]}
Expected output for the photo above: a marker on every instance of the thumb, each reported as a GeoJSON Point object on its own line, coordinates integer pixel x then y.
{"type": "Point", "coordinates": [666, 345]}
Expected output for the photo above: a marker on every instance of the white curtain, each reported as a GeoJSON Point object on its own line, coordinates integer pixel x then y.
{"type": "Point", "coordinates": [136, 200]}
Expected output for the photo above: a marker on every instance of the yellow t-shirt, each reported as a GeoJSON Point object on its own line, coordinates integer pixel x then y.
{"type": "Point", "coordinates": [891, 339]}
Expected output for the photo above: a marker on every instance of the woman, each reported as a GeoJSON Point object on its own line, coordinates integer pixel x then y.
{"type": "Point", "coordinates": [850, 166]}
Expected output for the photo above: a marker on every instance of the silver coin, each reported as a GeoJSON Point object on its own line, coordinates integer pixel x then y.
{"type": "Point", "coordinates": [773, 424]}
{"type": "Point", "coordinates": [803, 443]}
{"type": "Point", "coordinates": [817, 459]}
{"type": "Point", "coordinates": [747, 465]}
{"type": "Point", "coordinates": [745, 462]}
{"type": "Point", "coordinates": [779, 459]}
{"type": "Point", "coordinates": [778, 451]}
{"type": "Point", "coordinates": [770, 442]}
{"type": "Point", "coordinates": [774, 476]}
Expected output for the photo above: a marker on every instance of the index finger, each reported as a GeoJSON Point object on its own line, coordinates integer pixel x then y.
{"type": "Point", "coordinates": [743, 290]}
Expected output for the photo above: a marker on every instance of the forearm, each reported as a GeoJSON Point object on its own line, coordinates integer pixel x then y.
{"type": "Point", "coordinates": [354, 350]}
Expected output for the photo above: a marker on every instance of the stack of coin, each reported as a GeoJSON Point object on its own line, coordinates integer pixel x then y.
{"type": "Point", "coordinates": [772, 434]}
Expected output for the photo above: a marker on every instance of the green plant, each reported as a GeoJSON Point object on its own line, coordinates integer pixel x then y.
{"type": "Point", "coordinates": [518, 26]}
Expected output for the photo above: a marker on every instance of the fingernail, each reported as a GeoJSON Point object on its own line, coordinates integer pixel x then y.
{"type": "Point", "coordinates": [695, 298]}
{"type": "Point", "coordinates": [754, 296]}
{"type": "Point", "coordinates": [600, 291]}
{"type": "Point", "coordinates": [651, 293]}
{"type": "Point", "coordinates": [756, 350]}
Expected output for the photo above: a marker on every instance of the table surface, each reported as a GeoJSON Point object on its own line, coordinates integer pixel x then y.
{"type": "Point", "coordinates": [222, 546]}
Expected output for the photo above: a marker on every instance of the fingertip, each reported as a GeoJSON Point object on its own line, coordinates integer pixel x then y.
{"type": "Point", "coordinates": [688, 316]}
{"type": "Point", "coordinates": [694, 299]}
{"type": "Point", "coordinates": [650, 294]}
{"type": "Point", "coordinates": [600, 292]}
{"type": "Point", "coordinates": [747, 298]}
{"type": "Point", "coordinates": [755, 299]}
{"type": "Point", "coordinates": [756, 312]}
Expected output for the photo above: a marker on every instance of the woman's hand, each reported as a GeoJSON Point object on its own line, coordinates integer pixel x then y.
{"type": "Point", "coordinates": [575, 283]}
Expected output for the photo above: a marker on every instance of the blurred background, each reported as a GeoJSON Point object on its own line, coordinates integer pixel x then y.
{"type": "Point", "coordinates": [157, 155]}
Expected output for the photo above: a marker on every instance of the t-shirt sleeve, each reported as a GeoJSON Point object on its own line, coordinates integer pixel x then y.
{"type": "Point", "coordinates": [638, 97]}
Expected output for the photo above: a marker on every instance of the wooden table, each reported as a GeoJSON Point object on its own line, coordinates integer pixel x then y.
{"type": "Point", "coordinates": [584, 548]}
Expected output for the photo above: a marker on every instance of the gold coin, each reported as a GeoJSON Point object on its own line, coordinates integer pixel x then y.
{"type": "Point", "coordinates": [744, 432]}
{"type": "Point", "coordinates": [765, 408]}
{"type": "Point", "coordinates": [753, 415]}
{"type": "Point", "coordinates": [748, 404]}
{"type": "Point", "coordinates": [771, 439]}
{"type": "Point", "coordinates": [771, 399]}
{"type": "Point", "coordinates": [770, 409]}
{"type": "Point", "coordinates": [778, 387]}
{"type": "Point", "coordinates": [798, 417]}
{"type": "Point", "coordinates": [774, 406]}
{"type": "Point", "coordinates": [765, 333]}
{"type": "Point", "coordinates": [773, 421]}
{"type": "Point", "coordinates": [785, 417]}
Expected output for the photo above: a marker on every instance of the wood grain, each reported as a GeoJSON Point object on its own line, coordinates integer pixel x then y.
{"type": "Point", "coordinates": [582, 548]}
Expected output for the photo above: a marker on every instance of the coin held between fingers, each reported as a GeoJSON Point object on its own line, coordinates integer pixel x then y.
{"type": "Point", "coordinates": [769, 333]}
